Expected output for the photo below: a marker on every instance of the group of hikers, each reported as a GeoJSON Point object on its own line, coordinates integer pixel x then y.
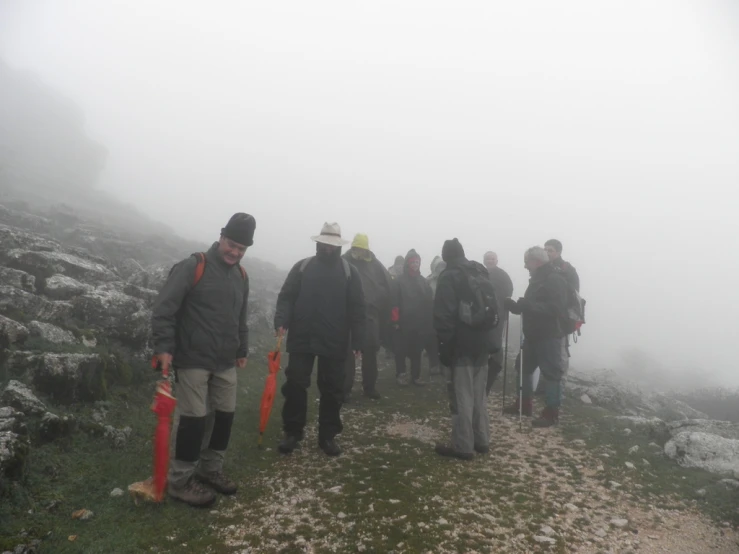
{"type": "Point", "coordinates": [340, 310]}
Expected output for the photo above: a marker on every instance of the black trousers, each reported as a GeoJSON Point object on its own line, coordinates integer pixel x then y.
{"type": "Point", "coordinates": [410, 344]}
{"type": "Point", "coordinates": [295, 390]}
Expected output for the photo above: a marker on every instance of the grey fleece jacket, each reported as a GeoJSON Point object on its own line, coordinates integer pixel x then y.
{"type": "Point", "coordinates": [202, 326]}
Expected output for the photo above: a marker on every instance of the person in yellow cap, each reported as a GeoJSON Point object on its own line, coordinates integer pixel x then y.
{"type": "Point", "coordinates": [376, 284]}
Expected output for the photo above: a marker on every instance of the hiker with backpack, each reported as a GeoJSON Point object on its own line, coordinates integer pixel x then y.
{"type": "Point", "coordinates": [376, 285]}
{"type": "Point", "coordinates": [503, 289]}
{"type": "Point", "coordinates": [412, 319]}
{"type": "Point", "coordinates": [554, 251]}
{"type": "Point", "coordinates": [199, 329]}
{"type": "Point", "coordinates": [321, 305]}
{"type": "Point", "coordinates": [465, 311]}
{"type": "Point", "coordinates": [544, 313]}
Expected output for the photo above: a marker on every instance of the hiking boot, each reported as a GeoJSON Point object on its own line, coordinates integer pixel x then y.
{"type": "Point", "coordinates": [193, 493]}
{"type": "Point", "coordinates": [482, 449]}
{"type": "Point", "coordinates": [547, 418]}
{"type": "Point", "coordinates": [372, 394]}
{"type": "Point", "coordinates": [449, 452]}
{"type": "Point", "coordinates": [330, 447]}
{"type": "Point", "coordinates": [217, 481]}
{"type": "Point", "coordinates": [288, 444]}
{"type": "Point", "coordinates": [528, 408]}
{"type": "Point", "coordinates": [402, 379]}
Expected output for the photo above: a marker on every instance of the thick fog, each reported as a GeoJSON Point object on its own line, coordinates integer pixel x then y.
{"type": "Point", "coordinates": [613, 127]}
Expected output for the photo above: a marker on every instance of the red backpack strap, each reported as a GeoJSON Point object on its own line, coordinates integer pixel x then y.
{"type": "Point", "coordinates": [200, 268]}
{"type": "Point", "coordinates": [243, 272]}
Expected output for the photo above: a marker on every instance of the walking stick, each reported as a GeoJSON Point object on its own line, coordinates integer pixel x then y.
{"type": "Point", "coordinates": [505, 360]}
{"type": "Point", "coordinates": [520, 381]}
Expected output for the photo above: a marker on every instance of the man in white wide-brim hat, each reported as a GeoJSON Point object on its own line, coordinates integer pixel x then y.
{"type": "Point", "coordinates": [321, 305]}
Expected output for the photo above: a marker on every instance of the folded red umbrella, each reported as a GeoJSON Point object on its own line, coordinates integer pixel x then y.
{"type": "Point", "coordinates": [270, 388]}
{"type": "Point", "coordinates": [163, 405]}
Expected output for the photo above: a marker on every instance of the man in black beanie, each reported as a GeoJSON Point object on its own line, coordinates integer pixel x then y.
{"type": "Point", "coordinates": [463, 346]}
{"type": "Point", "coordinates": [199, 328]}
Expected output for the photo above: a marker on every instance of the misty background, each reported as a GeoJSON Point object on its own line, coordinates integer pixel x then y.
{"type": "Point", "coordinates": [613, 127]}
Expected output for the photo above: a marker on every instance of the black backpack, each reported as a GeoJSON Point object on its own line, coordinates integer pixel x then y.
{"type": "Point", "coordinates": [480, 310]}
{"type": "Point", "coordinates": [575, 312]}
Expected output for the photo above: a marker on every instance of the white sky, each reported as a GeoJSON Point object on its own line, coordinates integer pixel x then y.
{"type": "Point", "coordinates": [613, 126]}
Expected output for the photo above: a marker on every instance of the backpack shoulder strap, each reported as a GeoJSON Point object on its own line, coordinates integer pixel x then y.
{"type": "Point", "coordinates": [243, 272]}
{"type": "Point", "coordinates": [199, 268]}
{"type": "Point", "coordinates": [305, 263]}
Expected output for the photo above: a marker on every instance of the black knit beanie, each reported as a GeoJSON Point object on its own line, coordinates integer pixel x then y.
{"type": "Point", "coordinates": [452, 250]}
{"type": "Point", "coordinates": [240, 228]}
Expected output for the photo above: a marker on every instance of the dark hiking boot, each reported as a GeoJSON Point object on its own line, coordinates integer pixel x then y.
{"type": "Point", "coordinates": [482, 449]}
{"type": "Point", "coordinates": [373, 394]}
{"type": "Point", "coordinates": [547, 418]}
{"type": "Point", "coordinates": [449, 452]}
{"type": "Point", "coordinates": [528, 408]}
{"type": "Point", "coordinates": [330, 447]}
{"type": "Point", "coordinates": [288, 444]}
{"type": "Point", "coordinates": [217, 481]}
{"type": "Point", "coordinates": [193, 493]}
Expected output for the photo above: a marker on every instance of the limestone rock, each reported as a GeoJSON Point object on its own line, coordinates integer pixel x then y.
{"type": "Point", "coordinates": [14, 445]}
{"type": "Point", "coordinates": [65, 377]}
{"type": "Point", "coordinates": [51, 333]}
{"type": "Point", "coordinates": [706, 451]}
{"type": "Point", "coordinates": [115, 314]}
{"type": "Point", "coordinates": [53, 426]}
{"type": "Point", "coordinates": [33, 306]}
{"type": "Point", "coordinates": [61, 287]}
{"type": "Point", "coordinates": [17, 278]}
{"type": "Point", "coordinates": [11, 332]}
{"type": "Point", "coordinates": [46, 264]}
{"type": "Point", "coordinates": [19, 396]}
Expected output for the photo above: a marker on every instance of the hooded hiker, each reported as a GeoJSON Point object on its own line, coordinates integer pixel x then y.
{"type": "Point", "coordinates": [376, 285]}
{"type": "Point", "coordinates": [321, 305]}
{"type": "Point", "coordinates": [412, 316]}
{"type": "Point", "coordinates": [464, 337]}
{"type": "Point", "coordinates": [503, 289]}
{"type": "Point", "coordinates": [396, 270]}
{"type": "Point", "coordinates": [199, 327]}
{"type": "Point", "coordinates": [543, 309]}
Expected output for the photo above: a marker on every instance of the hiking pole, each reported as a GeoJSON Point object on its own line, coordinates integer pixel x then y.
{"type": "Point", "coordinates": [520, 382]}
{"type": "Point", "coordinates": [505, 360]}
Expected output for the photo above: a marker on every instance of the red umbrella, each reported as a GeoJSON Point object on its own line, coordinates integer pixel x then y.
{"type": "Point", "coordinates": [163, 406]}
{"type": "Point", "coordinates": [270, 387]}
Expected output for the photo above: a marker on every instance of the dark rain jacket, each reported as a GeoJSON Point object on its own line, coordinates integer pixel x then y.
{"type": "Point", "coordinates": [320, 306]}
{"type": "Point", "coordinates": [457, 339]}
{"type": "Point", "coordinates": [569, 272]}
{"type": "Point", "coordinates": [203, 326]}
{"type": "Point", "coordinates": [544, 305]}
{"type": "Point", "coordinates": [414, 303]}
{"type": "Point", "coordinates": [377, 288]}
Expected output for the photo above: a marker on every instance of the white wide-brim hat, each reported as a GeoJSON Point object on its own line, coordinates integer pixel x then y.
{"type": "Point", "coordinates": [331, 234]}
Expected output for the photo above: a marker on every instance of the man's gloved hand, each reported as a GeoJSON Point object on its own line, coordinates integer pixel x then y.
{"type": "Point", "coordinates": [523, 304]}
{"type": "Point", "coordinates": [511, 305]}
